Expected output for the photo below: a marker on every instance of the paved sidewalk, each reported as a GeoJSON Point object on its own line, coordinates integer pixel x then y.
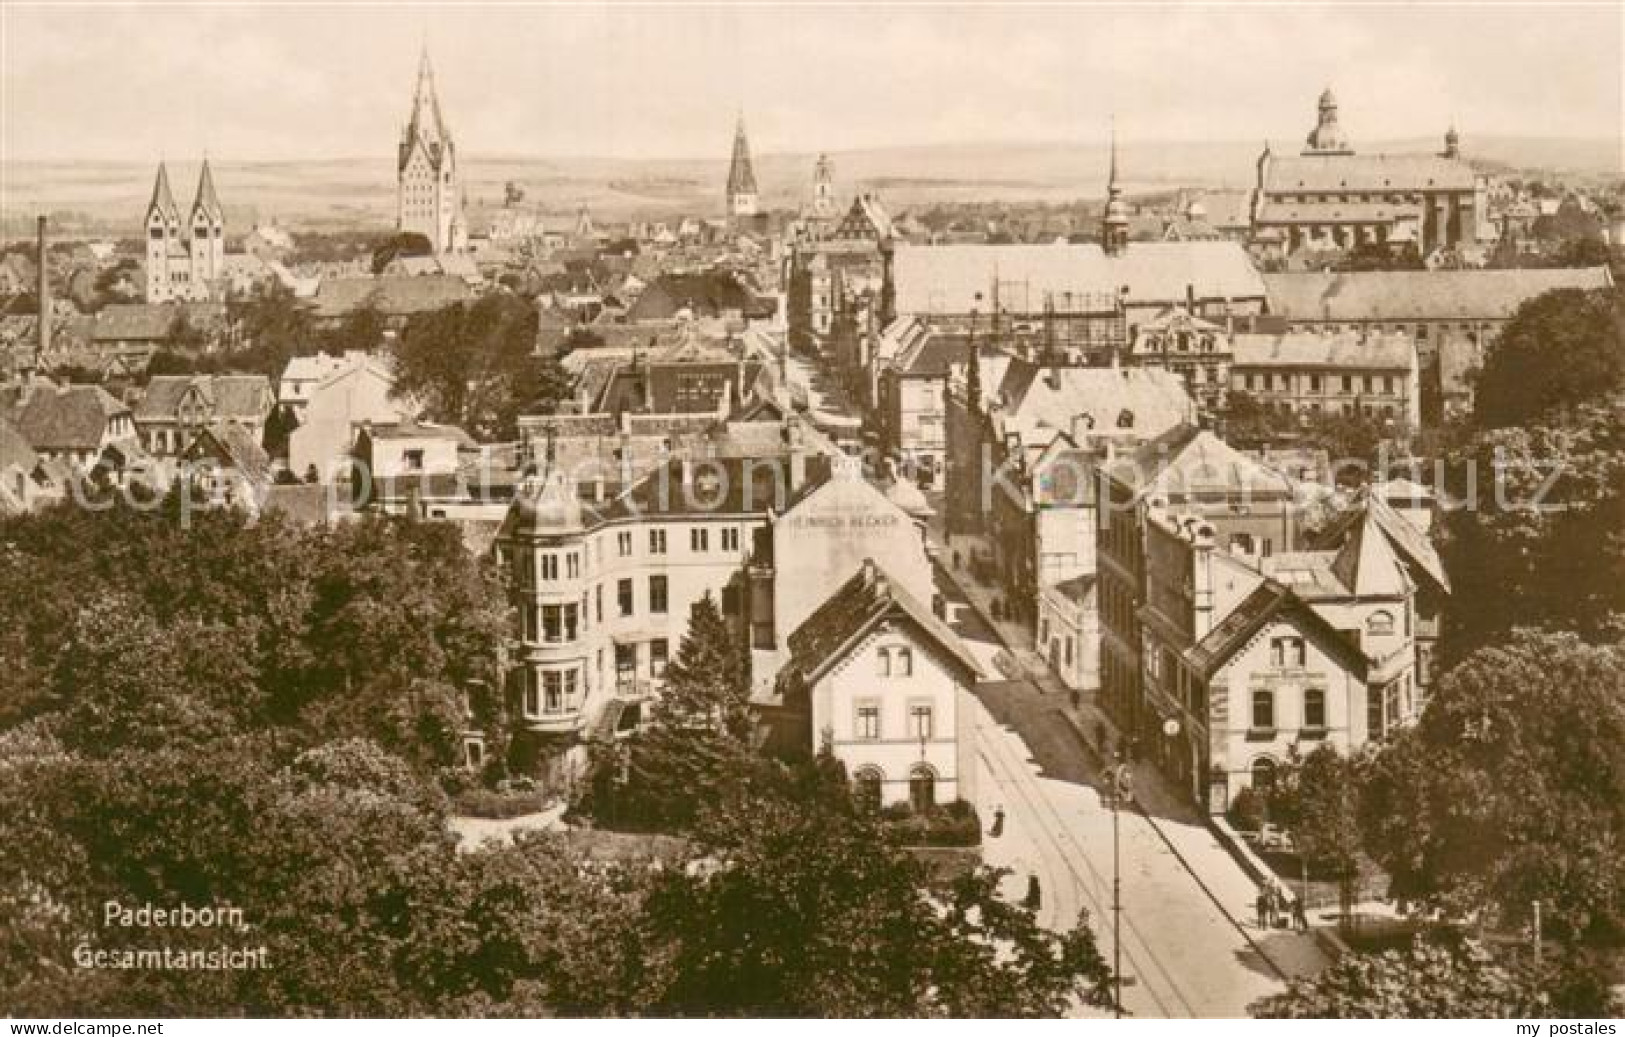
{"type": "Point", "coordinates": [1191, 903]}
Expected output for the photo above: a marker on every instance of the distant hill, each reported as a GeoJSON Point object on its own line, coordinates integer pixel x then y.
{"type": "Point", "coordinates": [107, 197]}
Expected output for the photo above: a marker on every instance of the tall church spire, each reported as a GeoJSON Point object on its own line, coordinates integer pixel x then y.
{"type": "Point", "coordinates": [1114, 220]}
{"type": "Point", "coordinates": [742, 193]}
{"type": "Point", "coordinates": [163, 200]}
{"type": "Point", "coordinates": [425, 123]}
{"type": "Point", "coordinates": [207, 201]}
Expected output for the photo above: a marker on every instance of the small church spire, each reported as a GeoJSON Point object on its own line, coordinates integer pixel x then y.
{"type": "Point", "coordinates": [1114, 220]}
{"type": "Point", "coordinates": [163, 200]}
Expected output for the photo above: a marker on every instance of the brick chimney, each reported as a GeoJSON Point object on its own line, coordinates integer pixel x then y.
{"type": "Point", "coordinates": [44, 296]}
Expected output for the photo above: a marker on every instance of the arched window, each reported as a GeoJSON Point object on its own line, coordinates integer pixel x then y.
{"type": "Point", "coordinates": [1380, 623]}
{"type": "Point", "coordinates": [1125, 418]}
{"type": "Point", "coordinates": [922, 787]}
{"type": "Point", "coordinates": [1263, 773]}
{"type": "Point", "coordinates": [883, 662]}
{"type": "Point", "coordinates": [905, 663]}
{"type": "Point", "coordinates": [867, 783]}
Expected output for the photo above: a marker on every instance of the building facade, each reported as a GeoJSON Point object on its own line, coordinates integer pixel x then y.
{"type": "Point", "coordinates": [1329, 196]}
{"type": "Point", "coordinates": [1307, 373]}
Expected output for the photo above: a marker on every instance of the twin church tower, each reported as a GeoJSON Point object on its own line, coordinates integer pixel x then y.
{"type": "Point", "coordinates": [186, 257]}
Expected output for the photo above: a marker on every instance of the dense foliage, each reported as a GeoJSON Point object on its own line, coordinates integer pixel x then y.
{"type": "Point", "coordinates": [1442, 978]}
{"type": "Point", "coordinates": [1511, 789]}
{"type": "Point", "coordinates": [249, 717]}
{"type": "Point", "coordinates": [1561, 349]}
{"type": "Point", "coordinates": [140, 630]}
{"type": "Point", "coordinates": [476, 365]}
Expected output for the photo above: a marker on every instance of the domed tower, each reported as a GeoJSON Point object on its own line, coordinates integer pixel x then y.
{"type": "Point", "coordinates": [1114, 221]}
{"type": "Point", "coordinates": [1452, 143]}
{"type": "Point", "coordinates": [1327, 136]}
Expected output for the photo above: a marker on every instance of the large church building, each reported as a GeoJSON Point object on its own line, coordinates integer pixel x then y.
{"type": "Point", "coordinates": [1329, 196]}
{"type": "Point", "coordinates": [430, 191]}
{"type": "Point", "coordinates": [185, 257]}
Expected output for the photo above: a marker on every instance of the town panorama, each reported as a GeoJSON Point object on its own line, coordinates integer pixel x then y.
{"type": "Point", "coordinates": [987, 534]}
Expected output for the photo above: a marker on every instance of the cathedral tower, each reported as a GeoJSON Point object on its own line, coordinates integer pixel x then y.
{"type": "Point", "coordinates": [208, 223]}
{"type": "Point", "coordinates": [742, 194]}
{"type": "Point", "coordinates": [163, 238]}
{"type": "Point", "coordinates": [429, 192]}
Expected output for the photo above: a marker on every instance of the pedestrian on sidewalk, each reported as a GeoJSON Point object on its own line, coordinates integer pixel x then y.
{"type": "Point", "coordinates": [1034, 896]}
{"type": "Point", "coordinates": [998, 822]}
{"type": "Point", "coordinates": [1299, 918]}
{"type": "Point", "coordinates": [1263, 905]}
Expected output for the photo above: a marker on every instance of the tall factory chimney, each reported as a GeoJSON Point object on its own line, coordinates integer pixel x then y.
{"type": "Point", "coordinates": [44, 297]}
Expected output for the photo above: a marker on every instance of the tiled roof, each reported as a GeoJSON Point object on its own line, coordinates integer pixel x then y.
{"type": "Point", "coordinates": [1187, 460]}
{"type": "Point", "coordinates": [71, 418]}
{"type": "Point", "coordinates": [1419, 294]}
{"type": "Point", "coordinates": [1329, 174]}
{"type": "Point", "coordinates": [864, 601]}
{"type": "Point", "coordinates": [1146, 401]}
{"type": "Point", "coordinates": [234, 446]}
{"type": "Point", "coordinates": [15, 450]}
{"type": "Point", "coordinates": [947, 278]}
{"type": "Point", "coordinates": [1337, 212]}
{"type": "Point", "coordinates": [393, 296]}
{"type": "Point", "coordinates": [235, 397]}
{"type": "Point", "coordinates": [1391, 351]}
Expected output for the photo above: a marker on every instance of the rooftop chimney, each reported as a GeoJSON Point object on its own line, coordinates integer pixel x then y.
{"type": "Point", "coordinates": [44, 296]}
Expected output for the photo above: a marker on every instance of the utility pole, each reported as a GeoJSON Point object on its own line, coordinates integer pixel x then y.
{"type": "Point", "coordinates": [1119, 788]}
{"type": "Point", "coordinates": [1537, 934]}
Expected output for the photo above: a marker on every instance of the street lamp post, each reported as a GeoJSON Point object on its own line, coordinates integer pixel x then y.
{"type": "Point", "coordinates": [1119, 787]}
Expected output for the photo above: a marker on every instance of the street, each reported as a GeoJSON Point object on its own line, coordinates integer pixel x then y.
{"type": "Point", "coordinates": [1183, 952]}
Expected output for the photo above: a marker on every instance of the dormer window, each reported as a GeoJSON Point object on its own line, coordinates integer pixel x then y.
{"type": "Point", "coordinates": [1125, 418]}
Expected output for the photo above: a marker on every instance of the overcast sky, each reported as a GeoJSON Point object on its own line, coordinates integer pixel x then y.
{"type": "Point", "coordinates": [263, 82]}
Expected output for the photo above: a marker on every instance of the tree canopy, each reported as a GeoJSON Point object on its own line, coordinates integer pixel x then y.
{"type": "Point", "coordinates": [475, 365]}
{"type": "Point", "coordinates": [1511, 789]}
{"type": "Point", "coordinates": [1559, 350]}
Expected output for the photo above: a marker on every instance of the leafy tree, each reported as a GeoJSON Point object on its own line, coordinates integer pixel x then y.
{"type": "Point", "coordinates": [361, 329]}
{"type": "Point", "coordinates": [1511, 789]}
{"type": "Point", "coordinates": [279, 427]}
{"type": "Point", "coordinates": [1538, 541]}
{"type": "Point", "coordinates": [1441, 979]}
{"type": "Point", "coordinates": [1316, 798]}
{"type": "Point", "coordinates": [475, 365]}
{"type": "Point", "coordinates": [273, 327]}
{"type": "Point", "coordinates": [806, 909]}
{"type": "Point", "coordinates": [1560, 349]}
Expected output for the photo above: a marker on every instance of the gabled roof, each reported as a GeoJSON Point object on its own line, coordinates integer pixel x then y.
{"type": "Point", "coordinates": [71, 418]}
{"type": "Point", "coordinates": [233, 446]}
{"type": "Point", "coordinates": [1397, 295]}
{"type": "Point", "coordinates": [1188, 461]}
{"type": "Point", "coordinates": [1270, 601]}
{"type": "Point", "coordinates": [866, 600]}
{"type": "Point", "coordinates": [243, 397]}
{"type": "Point", "coordinates": [1411, 544]}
